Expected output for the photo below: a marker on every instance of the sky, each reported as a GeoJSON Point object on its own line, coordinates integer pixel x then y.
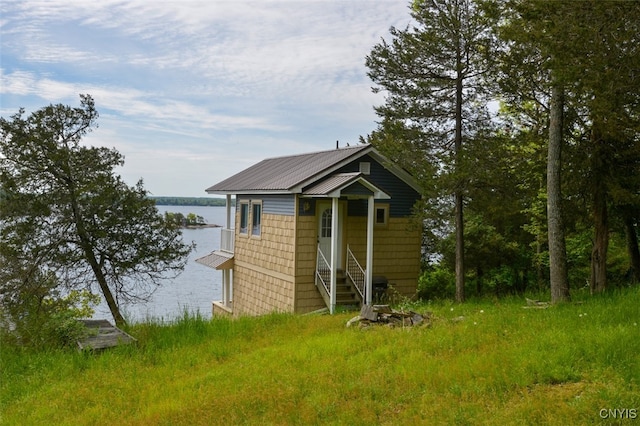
{"type": "Point", "coordinates": [192, 92]}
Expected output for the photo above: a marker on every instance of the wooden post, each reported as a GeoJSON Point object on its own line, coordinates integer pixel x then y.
{"type": "Point", "coordinates": [226, 274]}
{"type": "Point", "coordinates": [369, 270]}
{"type": "Point", "coordinates": [228, 205]}
{"type": "Point", "coordinates": [334, 252]}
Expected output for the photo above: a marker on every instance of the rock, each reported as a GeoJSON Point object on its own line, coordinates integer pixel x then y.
{"type": "Point", "coordinates": [416, 319]}
{"type": "Point", "coordinates": [384, 315]}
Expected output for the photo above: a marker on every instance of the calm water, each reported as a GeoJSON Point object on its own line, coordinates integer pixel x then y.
{"type": "Point", "coordinates": [192, 290]}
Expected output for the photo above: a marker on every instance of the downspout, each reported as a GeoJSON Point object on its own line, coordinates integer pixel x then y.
{"type": "Point", "coordinates": [228, 205]}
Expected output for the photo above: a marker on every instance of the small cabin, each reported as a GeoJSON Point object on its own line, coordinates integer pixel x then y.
{"type": "Point", "coordinates": [316, 230]}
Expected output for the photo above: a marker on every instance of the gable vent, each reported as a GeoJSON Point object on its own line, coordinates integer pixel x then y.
{"type": "Point", "coordinates": [365, 168]}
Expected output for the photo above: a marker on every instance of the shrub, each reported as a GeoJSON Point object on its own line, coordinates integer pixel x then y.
{"type": "Point", "coordinates": [37, 315]}
{"type": "Point", "coordinates": [436, 282]}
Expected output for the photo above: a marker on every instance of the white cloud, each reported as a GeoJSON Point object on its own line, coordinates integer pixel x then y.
{"type": "Point", "coordinates": [131, 103]}
{"type": "Point", "coordinates": [233, 80]}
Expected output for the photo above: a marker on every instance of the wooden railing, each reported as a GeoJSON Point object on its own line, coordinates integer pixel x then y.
{"type": "Point", "coordinates": [323, 276]}
{"type": "Point", "coordinates": [356, 274]}
{"type": "Point", "coordinates": [227, 240]}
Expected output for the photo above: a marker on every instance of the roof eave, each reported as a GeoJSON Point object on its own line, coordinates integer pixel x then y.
{"type": "Point", "coordinates": [249, 192]}
{"type": "Point", "coordinates": [336, 192]}
{"type": "Point", "coordinates": [298, 188]}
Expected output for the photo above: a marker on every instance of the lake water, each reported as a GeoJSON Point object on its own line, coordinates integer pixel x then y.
{"type": "Point", "coordinates": [195, 288]}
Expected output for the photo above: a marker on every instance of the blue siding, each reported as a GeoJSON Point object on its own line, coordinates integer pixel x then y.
{"type": "Point", "coordinates": [283, 204]}
{"type": "Point", "coordinates": [403, 197]}
{"type": "Point", "coordinates": [357, 189]}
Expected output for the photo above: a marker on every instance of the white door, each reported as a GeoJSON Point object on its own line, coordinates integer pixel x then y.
{"type": "Point", "coordinates": [325, 231]}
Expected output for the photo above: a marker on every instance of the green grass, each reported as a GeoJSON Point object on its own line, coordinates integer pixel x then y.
{"type": "Point", "coordinates": [502, 364]}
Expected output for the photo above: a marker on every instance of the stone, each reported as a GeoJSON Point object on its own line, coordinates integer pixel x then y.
{"type": "Point", "coordinates": [384, 315]}
{"type": "Point", "coordinates": [416, 318]}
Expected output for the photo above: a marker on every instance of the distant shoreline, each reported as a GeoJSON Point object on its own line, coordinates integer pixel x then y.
{"type": "Point", "coordinates": [190, 201]}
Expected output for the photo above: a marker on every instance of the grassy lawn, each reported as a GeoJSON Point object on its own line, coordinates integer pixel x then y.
{"type": "Point", "coordinates": [500, 365]}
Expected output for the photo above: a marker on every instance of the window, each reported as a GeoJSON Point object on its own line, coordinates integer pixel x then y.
{"type": "Point", "coordinates": [325, 231]}
{"type": "Point", "coordinates": [244, 217]}
{"type": "Point", "coordinates": [365, 168]}
{"type": "Point", "coordinates": [381, 215]}
{"type": "Point", "coordinates": [256, 218]}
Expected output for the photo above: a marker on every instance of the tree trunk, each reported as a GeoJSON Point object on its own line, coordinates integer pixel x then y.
{"type": "Point", "coordinates": [87, 247]}
{"type": "Point", "coordinates": [557, 249]}
{"type": "Point", "coordinates": [598, 282]}
{"type": "Point", "coordinates": [104, 287]}
{"type": "Point", "coordinates": [459, 201]}
{"type": "Point", "coordinates": [459, 250]}
{"type": "Point", "coordinates": [632, 246]}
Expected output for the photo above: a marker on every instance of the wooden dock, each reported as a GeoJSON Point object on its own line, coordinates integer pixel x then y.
{"type": "Point", "coordinates": [103, 335]}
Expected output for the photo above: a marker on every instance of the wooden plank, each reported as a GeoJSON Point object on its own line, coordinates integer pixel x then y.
{"type": "Point", "coordinates": [367, 312]}
{"type": "Point", "coordinates": [102, 335]}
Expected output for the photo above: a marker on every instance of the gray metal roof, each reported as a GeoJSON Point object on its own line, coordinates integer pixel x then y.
{"type": "Point", "coordinates": [333, 183]}
{"type": "Point", "coordinates": [217, 260]}
{"type": "Point", "coordinates": [287, 174]}
{"type": "Point", "coordinates": [342, 183]}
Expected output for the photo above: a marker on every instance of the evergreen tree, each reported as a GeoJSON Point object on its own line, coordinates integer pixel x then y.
{"type": "Point", "coordinates": [65, 212]}
{"type": "Point", "coordinates": [596, 65]}
{"type": "Point", "coordinates": [432, 74]}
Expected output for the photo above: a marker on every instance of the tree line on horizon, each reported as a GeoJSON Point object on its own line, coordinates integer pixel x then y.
{"type": "Point", "coordinates": [189, 201]}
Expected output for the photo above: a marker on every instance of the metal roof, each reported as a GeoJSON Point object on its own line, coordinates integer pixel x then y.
{"type": "Point", "coordinates": [332, 183]}
{"type": "Point", "coordinates": [340, 183]}
{"type": "Point", "coordinates": [287, 174]}
{"type": "Point", "coordinates": [217, 260]}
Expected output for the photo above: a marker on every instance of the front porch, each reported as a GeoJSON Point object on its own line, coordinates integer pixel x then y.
{"type": "Point", "coordinates": [338, 270]}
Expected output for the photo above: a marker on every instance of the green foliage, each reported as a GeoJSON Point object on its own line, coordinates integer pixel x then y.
{"type": "Point", "coordinates": [37, 314]}
{"type": "Point", "coordinates": [178, 219]}
{"type": "Point", "coordinates": [437, 282]}
{"type": "Point", "coordinates": [501, 171]}
{"type": "Point", "coordinates": [618, 267]}
{"type": "Point", "coordinates": [64, 210]}
{"type": "Point", "coordinates": [482, 362]}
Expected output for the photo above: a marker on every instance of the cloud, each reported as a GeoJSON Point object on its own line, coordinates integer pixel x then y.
{"type": "Point", "coordinates": [155, 110]}
{"type": "Point", "coordinates": [235, 80]}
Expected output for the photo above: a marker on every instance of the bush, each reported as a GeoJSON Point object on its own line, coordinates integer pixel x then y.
{"type": "Point", "coordinates": [437, 282]}
{"type": "Point", "coordinates": [37, 315]}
